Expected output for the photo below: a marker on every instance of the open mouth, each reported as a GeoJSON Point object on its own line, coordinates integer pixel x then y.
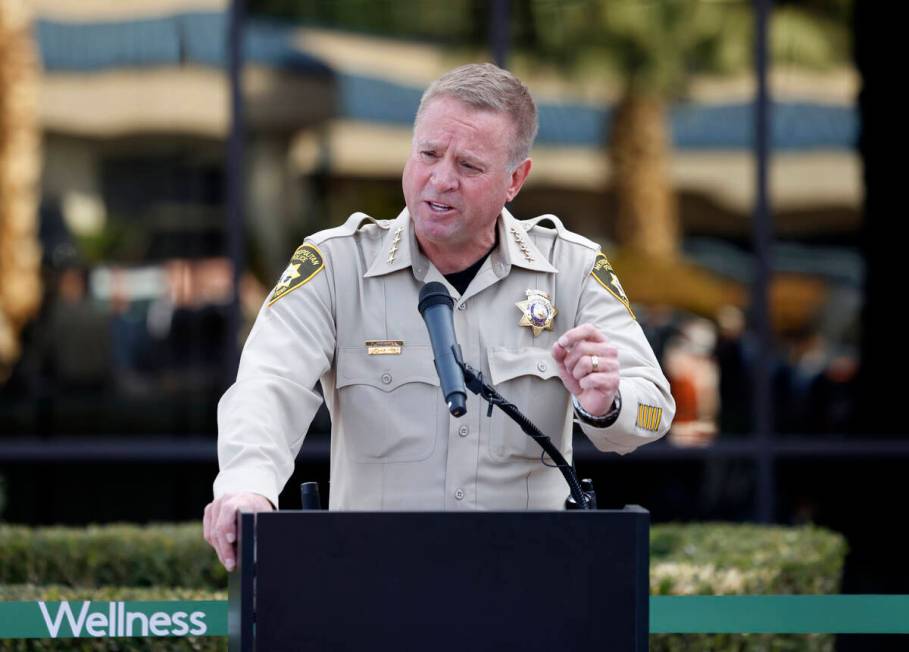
{"type": "Point", "coordinates": [438, 207]}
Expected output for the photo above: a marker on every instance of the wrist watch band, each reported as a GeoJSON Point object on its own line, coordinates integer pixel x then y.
{"type": "Point", "coordinates": [599, 422]}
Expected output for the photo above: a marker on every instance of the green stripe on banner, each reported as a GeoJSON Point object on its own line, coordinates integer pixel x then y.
{"type": "Point", "coordinates": [108, 619]}
{"type": "Point", "coordinates": [768, 614]}
{"type": "Point", "coordinates": [780, 614]}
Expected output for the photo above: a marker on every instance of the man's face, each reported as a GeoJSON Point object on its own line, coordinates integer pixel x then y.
{"type": "Point", "coordinates": [457, 180]}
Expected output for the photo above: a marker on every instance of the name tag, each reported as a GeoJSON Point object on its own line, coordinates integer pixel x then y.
{"type": "Point", "coordinates": [384, 347]}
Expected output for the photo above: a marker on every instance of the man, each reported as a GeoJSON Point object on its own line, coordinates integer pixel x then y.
{"type": "Point", "coordinates": [539, 311]}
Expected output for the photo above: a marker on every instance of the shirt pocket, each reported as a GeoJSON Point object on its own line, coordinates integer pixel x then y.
{"type": "Point", "coordinates": [389, 404]}
{"type": "Point", "coordinates": [529, 378]}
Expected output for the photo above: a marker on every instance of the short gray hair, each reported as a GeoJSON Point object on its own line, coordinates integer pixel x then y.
{"type": "Point", "coordinates": [487, 87]}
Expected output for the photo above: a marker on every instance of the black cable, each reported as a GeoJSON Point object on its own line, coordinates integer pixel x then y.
{"type": "Point", "coordinates": [475, 383]}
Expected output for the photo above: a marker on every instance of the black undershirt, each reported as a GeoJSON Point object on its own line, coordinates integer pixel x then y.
{"type": "Point", "coordinates": [460, 280]}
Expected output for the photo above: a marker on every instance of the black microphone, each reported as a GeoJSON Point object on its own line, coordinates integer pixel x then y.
{"type": "Point", "coordinates": [435, 307]}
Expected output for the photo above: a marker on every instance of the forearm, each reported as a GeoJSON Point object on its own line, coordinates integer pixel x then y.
{"type": "Point", "coordinates": [645, 416]}
{"type": "Point", "coordinates": [261, 426]}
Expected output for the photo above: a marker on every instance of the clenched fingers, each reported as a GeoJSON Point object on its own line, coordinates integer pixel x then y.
{"type": "Point", "coordinates": [584, 366]}
{"type": "Point", "coordinates": [220, 523]}
{"type": "Point", "coordinates": [605, 383]}
{"type": "Point", "coordinates": [583, 354]}
{"type": "Point", "coordinates": [582, 333]}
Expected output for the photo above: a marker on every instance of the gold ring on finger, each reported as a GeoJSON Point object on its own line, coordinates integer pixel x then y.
{"type": "Point", "coordinates": [594, 363]}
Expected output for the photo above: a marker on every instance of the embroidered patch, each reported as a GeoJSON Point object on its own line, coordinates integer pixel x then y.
{"type": "Point", "coordinates": [304, 265]}
{"type": "Point", "coordinates": [606, 276]}
{"type": "Point", "coordinates": [649, 417]}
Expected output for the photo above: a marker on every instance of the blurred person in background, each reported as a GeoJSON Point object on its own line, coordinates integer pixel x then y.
{"type": "Point", "coordinates": [694, 377]}
{"type": "Point", "coordinates": [77, 351]}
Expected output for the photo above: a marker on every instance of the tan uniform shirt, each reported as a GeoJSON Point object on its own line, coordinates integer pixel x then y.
{"type": "Point", "coordinates": [394, 445]}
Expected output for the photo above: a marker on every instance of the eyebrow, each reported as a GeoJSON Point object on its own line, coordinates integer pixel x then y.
{"type": "Point", "coordinates": [427, 144]}
{"type": "Point", "coordinates": [468, 156]}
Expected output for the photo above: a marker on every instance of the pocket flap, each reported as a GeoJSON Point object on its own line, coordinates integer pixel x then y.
{"type": "Point", "coordinates": [505, 363]}
{"type": "Point", "coordinates": [386, 372]}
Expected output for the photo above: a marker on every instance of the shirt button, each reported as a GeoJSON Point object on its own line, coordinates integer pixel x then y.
{"type": "Point", "coordinates": [463, 306]}
{"type": "Point", "coordinates": [459, 494]}
{"type": "Point", "coordinates": [541, 365]}
{"type": "Point", "coordinates": [386, 379]}
{"type": "Point", "coordinates": [463, 431]}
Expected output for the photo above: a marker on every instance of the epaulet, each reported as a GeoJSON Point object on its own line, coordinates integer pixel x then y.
{"type": "Point", "coordinates": [353, 224]}
{"type": "Point", "coordinates": [561, 231]}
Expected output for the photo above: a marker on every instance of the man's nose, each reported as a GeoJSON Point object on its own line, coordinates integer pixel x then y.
{"type": "Point", "coordinates": [443, 177]}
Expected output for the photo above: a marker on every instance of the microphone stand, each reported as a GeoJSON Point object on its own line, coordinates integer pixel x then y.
{"type": "Point", "coordinates": [474, 380]}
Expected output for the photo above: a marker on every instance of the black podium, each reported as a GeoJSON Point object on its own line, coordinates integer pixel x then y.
{"type": "Point", "coordinates": [440, 581]}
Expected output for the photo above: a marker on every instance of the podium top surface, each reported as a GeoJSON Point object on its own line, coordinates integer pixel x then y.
{"type": "Point", "coordinates": [628, 510]}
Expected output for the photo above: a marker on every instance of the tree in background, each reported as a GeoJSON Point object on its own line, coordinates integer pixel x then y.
{"type": "Point", "coordinates": [20, 252]}
{"type": "Point", "coordinates": [647, 56]}
{"type": "Point", "coordinates": [652, 51]}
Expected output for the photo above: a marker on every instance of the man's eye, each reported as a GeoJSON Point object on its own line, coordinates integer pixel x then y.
{"type": "Point", "coordinates": [472, 168]}
{"type": "Point", "coordinates": [429, 154]}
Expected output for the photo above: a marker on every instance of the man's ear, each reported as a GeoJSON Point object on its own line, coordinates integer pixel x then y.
{"type": "Point", "coordinates": [518, 177]}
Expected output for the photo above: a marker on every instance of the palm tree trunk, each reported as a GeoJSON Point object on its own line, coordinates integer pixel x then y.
{"type": "Point", "coordinates": [20, 252]}
{"type": "Point", "coordinates": [646, 220]}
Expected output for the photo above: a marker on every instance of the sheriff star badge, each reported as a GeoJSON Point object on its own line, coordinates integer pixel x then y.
{"type": "Point", "coordinates": [537, 311]}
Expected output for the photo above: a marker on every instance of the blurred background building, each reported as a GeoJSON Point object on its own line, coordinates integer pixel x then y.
{"type": "Point", "coordinates": [159, 161]}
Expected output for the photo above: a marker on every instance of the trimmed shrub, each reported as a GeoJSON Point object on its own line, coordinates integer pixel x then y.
{"type": "Point", "coordinates": [110, 555]}
{"type": "Point", "coordinates": [54, 592]}
{"type": "Point", "coordinates": [725, 559]}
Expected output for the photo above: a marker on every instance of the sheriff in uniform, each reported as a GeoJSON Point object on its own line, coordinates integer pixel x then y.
{"type": "Point", "coordinates": [538, 309]}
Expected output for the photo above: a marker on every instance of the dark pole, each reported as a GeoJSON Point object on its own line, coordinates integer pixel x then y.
{"type": "Point", "coordinates": [499, 33]}
{"type": "Point", "coordinates": [236, 152]}
{"type": "Point", "coordinates": [762, 235]}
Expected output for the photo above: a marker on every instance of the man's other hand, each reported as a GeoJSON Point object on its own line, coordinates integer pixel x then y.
{"type": "Point", "coordinates": [219, 524]}
{"type": "Point", "coordinates": [588, 367]}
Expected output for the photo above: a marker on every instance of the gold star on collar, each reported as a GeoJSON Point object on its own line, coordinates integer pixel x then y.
{"type": "Point", "coordinates": [394, 245]}
{"type": "Point", "coordinates": [537, 311]}
{"type": "Point", "coordinates": [521, 244]}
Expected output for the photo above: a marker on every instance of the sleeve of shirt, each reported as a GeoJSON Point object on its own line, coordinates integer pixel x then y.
{"type": "Point", "coordinates": [647, 404]}
{"type": "Point", "coordinates": [263, 417]}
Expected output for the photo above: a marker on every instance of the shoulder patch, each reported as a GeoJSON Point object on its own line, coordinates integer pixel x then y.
{"type": "Point", "coordinates": [304, 265]}
{"type": "Point", "coordinates": [606, 276]}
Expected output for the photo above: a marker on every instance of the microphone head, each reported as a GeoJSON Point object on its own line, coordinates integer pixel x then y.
{"type": "Point", "coordinates": [432, 294]}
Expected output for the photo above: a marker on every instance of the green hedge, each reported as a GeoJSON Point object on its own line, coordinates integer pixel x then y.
{"type": "Point", "coordinates": [685, 559]}
{"type": "Point", "coordinates": [55, 592]}
{"type": "Point", "coordinates": [111, 555]}
{"type": "Point", "coordinates": [188, 644]}
{"type": "Point", "coordinates": [704, 559]}
{"type": "Point", "coordinates": [726, 559]}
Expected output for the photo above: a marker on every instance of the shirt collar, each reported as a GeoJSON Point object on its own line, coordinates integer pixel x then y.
{"type": "Point", "coordinates": [518, 248]}
{"type": "Point", "coordinates": [399, 249]}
